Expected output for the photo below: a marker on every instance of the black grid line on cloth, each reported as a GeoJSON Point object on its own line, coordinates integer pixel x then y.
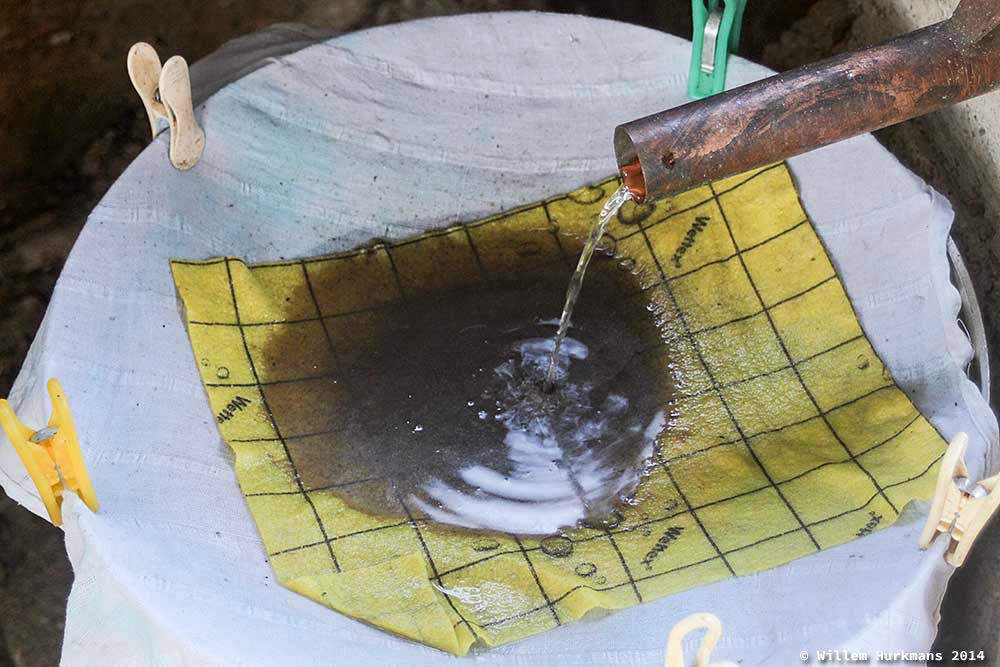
{"type": "Point", "coordinates": [295, 436]}
{"type": "Point", "coordinates": [325, 487]}
{"type": "Point", "coordinates": [721, 260]}
{"type": "Point", "coordinates": [722, 399]}
{"type": "Point", "coordinates": [531, 566]}
{"type": "Point", "coordinates": [274, 423]}
{"type": "Point", "coordinates": [701, 450]}
{"type": "Point", "coordinates": [503, 215]}
{"type": "Point", "coordinates": [363, 531]}
{"type": "Point", "coordinates": [564, 257]}
{"type": "Point", "coordinates": [319, 313]}
{"type": "Point", "coordinates": [651, 348]}
{"type": "Point", "coordinates": [475, 251]}
{"type": "Point", "coordinates": [751, 436]}
{"type": "Point", "coordinates": [625, 567]}
{"type": "Point", "coordinates": [647, 225]}
{"type": "Point", "coordinates": [757, 376]}
{"type": "Point", "coordinates": [618, 531]}
{"type": "Point", "coordinates": [545, 203]}
{"type": "Point", "coordinates": [689, 334]}
{"type": "Point", "coordinates": [680, 493]}
{"type": "Point", "coordinates": [528, 612]}
{"type": "Point", "coordinates": [395, 276]}
{"type": "Point", "coordinates": [689, 508]}
{"type": "Point", "coordinates": [784, 350]}
{"type": "Point", "coordinates": [554, 230]}
{"type": "Point", "coordinates": [367, 309]}
{"type": "Point", "coordinates": [491, 219]}
{"type": "Point", "coordinates": [413, 525]}
{"type": "Point", "coordinates": [411, 521]}
{"type": "Point", "coordinates": [299, 320]}
{"type": "Point", "coordinates": [762, 311]}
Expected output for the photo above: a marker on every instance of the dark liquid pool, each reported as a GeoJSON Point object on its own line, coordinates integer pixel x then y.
{"type": "Point", "coordinates": [438, 401]}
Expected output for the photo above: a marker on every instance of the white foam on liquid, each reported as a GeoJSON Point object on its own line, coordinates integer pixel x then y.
{"type": "Point", "coordinates": [548, 485]}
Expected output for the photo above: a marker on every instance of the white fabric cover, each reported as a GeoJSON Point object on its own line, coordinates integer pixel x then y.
{"type": "Point", "coordinates": [457, 117]}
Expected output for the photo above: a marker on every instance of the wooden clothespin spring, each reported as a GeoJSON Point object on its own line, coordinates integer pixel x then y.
{"type": "Point", "coordinates": [166, 93]}
{"type": "Point", "coordinates": [960, 509]}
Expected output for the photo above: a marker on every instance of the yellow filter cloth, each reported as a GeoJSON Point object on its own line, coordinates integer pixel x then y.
{"type": "Point", "coordinates": [789, 436]}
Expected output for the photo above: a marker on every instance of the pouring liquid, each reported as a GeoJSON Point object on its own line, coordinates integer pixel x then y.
{"type": "Point", "coordinates": [608, 211]}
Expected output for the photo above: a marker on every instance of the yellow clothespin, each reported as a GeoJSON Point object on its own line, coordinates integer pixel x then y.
{"type": "Point", "coordinates": [166, 93]}
{"type": "Point", "coordinates": [960, 507]}
{"type": "Point", "coordinates": [51, 453]}
{"type": "Point", "coordinates": [712, 626]}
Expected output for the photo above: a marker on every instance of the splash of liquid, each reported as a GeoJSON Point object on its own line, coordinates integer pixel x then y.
{"type": "Point", "coordinates": [568, 455]}
{"type": "Point", "coordinates": [608, 211]}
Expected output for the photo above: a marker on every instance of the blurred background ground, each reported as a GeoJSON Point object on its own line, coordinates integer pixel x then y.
{"type": "Point", "coordinates": [71, 123]}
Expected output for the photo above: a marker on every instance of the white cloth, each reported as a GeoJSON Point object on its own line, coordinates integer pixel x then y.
{"type": "Point", "coordinates": [383, 133]}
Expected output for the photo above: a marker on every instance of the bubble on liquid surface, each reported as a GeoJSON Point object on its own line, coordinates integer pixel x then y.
{"type": "Point", "coordinates": [437, 407]}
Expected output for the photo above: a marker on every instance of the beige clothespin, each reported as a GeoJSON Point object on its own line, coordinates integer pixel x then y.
{"type": "Point", "coordinates": [166, 93]}
{"type": "Point", "coordinates": [700, 621]}
{"type": "Point", "coordinates": [960, 507]}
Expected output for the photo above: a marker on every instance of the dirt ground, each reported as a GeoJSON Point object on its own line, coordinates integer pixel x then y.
{"type": "Point", "coordinates": [71, 123]}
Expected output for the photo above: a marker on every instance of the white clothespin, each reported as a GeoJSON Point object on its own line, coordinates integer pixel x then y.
{"type": "Point", "coordinates": [959, 508]}
{"type": "Point", "coordinates": [713, 630]}
{"type": "Point", "coordinates": [166, 93]}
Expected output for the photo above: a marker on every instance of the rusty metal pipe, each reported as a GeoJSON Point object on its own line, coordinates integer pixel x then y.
{"type": "Point", "coordinates": [812, 106]}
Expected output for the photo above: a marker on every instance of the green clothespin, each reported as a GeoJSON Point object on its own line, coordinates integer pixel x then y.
{"type": "Point", "coordinates": [716, 35]}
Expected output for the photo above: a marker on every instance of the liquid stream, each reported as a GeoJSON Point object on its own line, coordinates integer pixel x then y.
{"type": "Point", "coordinates": [608, 211]}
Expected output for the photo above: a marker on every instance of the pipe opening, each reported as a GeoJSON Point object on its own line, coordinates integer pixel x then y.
{"type": "Point", "coordinates": [629, 165]}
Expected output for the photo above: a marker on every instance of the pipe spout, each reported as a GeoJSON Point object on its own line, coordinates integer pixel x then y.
{"type": "Point", "coordinates": [797, 111]}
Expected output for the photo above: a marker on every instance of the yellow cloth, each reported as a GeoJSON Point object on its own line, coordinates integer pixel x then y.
{"type": "Point", "coordinates": [790, 436]}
